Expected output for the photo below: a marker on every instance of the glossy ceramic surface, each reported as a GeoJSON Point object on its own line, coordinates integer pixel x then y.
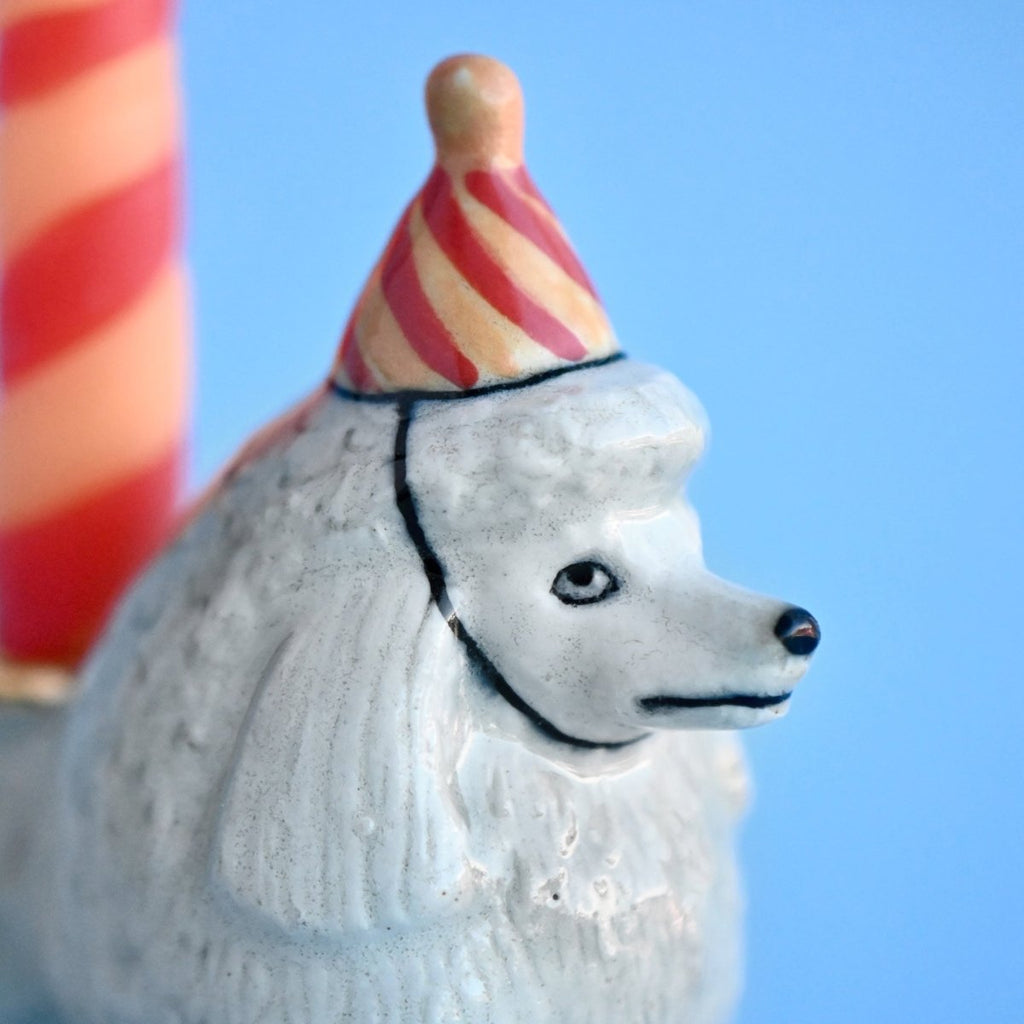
{"type": "Point", "coordinates": [425, 716]}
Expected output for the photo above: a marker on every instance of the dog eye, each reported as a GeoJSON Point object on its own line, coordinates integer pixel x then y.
{"type": "Point", "coordinates": [584, 583]}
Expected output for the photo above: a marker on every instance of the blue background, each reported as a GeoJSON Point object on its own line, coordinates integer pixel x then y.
{"type": "Point", "coordinates": [812, 213]}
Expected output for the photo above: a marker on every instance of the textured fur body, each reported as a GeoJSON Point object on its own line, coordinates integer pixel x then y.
{"type": "Point", "coordinates": [287, 797]}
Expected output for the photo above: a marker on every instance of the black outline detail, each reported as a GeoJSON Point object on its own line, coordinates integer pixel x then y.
{"type": "Point", "coordinates": [434, 571]}
{"type": "Point", "coordinates": [612, 588]}
{"type": "Point", "coordinates": [411, 395]}
{"type": "Point", "coordinates": [652, 705]}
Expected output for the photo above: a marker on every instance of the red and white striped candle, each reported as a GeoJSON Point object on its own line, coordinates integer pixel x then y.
{"type": "Point", "coordinates": [94, 354]}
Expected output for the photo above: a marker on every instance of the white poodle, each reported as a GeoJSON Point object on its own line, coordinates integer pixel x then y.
{"type": "Point", "coordinates": [423, 718]}
{"type": "Point", "coordinates": [383, 737]}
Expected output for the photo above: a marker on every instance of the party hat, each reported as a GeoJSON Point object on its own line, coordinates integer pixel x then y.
{"type": "Point", "coordinates": [478, 284]}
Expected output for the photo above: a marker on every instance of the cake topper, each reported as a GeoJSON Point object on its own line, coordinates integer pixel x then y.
{"type": "Point", "coordinates": [425, 715]}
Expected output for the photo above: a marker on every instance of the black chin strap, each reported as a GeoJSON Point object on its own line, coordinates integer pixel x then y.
{"type": "Point", "coordinates": [406, 502]}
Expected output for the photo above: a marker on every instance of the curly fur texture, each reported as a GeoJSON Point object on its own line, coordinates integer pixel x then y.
{"type": "Point", "coordinates": [287, 796]}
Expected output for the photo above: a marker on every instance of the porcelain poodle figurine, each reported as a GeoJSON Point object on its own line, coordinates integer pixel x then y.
{"type": "Point", "coordinates": [424, 716]}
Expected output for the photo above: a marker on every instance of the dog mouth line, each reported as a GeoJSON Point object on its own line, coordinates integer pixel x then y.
{"type": "Point", "coordinates": [652, 705]}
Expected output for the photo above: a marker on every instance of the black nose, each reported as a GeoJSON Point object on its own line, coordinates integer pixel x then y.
{"type": "Point", "coordinates": [798, 631]}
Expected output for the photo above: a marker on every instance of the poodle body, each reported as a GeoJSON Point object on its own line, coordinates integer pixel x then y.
{"type": "Point", "coordinates": [367, 744]}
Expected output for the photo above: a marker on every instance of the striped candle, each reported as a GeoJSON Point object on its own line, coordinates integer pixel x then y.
{"type": "Point", "coordinates": [93, 312]}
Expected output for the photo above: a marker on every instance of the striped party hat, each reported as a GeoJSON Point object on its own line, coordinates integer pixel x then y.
{"type": "Point", "coordinates": [478, 284]}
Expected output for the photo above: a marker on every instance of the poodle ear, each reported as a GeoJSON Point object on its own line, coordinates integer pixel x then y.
{"type": "Point", "coordinates": [339, 812]}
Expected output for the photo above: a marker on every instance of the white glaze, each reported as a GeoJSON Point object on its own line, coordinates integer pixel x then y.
{"type": "Point", "coordinates": [288, 797]}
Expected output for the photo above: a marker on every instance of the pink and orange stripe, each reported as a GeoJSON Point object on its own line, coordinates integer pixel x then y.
{"type": "Point", "coordinates": [93, 312]}
{"type": "Point", "coordinates": [478, 284]}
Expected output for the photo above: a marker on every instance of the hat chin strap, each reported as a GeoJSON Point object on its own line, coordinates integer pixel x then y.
{"type": "Point", "coordinates": [434, 571]}
{"type": "Point", "coordinates": [409, 396]}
